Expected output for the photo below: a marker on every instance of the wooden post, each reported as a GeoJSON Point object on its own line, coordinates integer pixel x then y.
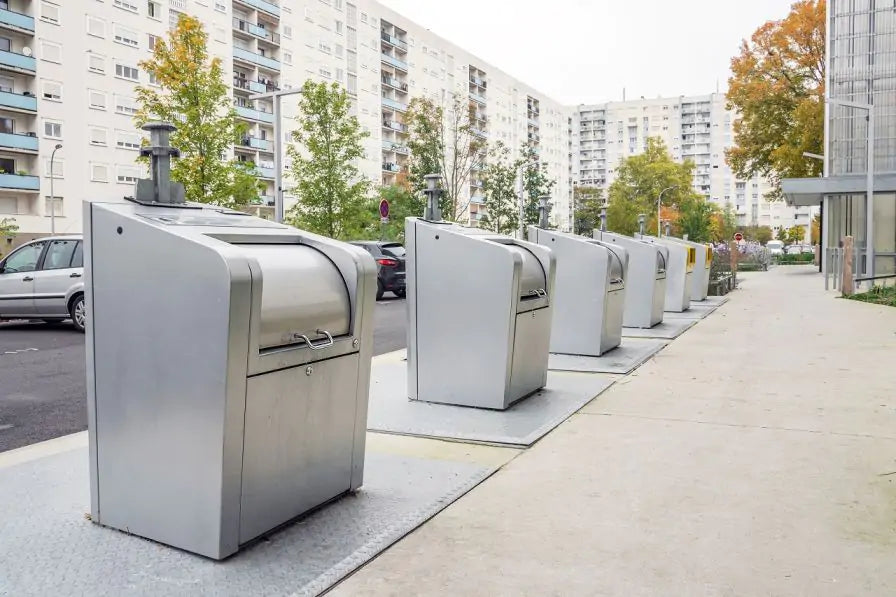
{"type": "Point", "coordinates": [846, 284]}
{"type": "Point", "coordinates": [733, 252]}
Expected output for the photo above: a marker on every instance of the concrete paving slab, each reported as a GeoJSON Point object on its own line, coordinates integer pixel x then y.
{"type": "Point", "coordinates": [49, 548]}
{"type": "Point", "coordinates": [716, 300]}
{"type": "Point", "coordinates": [522, 424]}
{"type": "Point", "coordinates": [696, 312]}
{"type": "Point", "coordinates": [667, 329]}
{"type": "Point", "coordinates": [621, 360]}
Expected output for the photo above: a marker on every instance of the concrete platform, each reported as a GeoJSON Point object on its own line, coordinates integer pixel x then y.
{"type": "Point", "coordinates": [696, 311]}
{"type": "Point", "coordinates": [667, 329]}
{"type": "Point", "coordinates": [48, 547]}
{"type": "Point", "coordinates": [521, 425]}
{"type": "Point", "coordinates": [716, 300]}
{"type": "Point", "coordinates": [621, 360]}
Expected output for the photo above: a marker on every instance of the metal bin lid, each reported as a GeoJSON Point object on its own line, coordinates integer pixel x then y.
{"type": "Point", "coordinates": [533, 280]}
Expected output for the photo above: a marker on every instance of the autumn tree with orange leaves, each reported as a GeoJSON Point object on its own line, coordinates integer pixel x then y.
{"type": "Point", "coordinates": [777, 88]}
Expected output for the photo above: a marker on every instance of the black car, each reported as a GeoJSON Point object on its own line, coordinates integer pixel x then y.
{"type": "Point", "coordinates": [389, 257]}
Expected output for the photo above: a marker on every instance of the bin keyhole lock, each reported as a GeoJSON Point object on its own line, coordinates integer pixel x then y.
{"type": "Point", "coordinates": [309, 370]}
{"type": "Point", "coordinates": [119, 230]}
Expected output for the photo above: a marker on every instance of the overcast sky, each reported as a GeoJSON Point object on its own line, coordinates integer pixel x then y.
{"type": "Point", "coordinates": [587, 51]}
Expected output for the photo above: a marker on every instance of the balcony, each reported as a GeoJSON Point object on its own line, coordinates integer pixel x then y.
{"type": "Point", "coordinates": [264, 172]}
{"type": "Point", "coordinates": [268, 7]}
{"type": "Point", "coordinates": [253, 114]}
{"type": "Point", "coordinates": [18, 102]}
{"type": "Point", "coordinates": [16, 21]}
{"type": "Point", "coordinates": [477, 199]}
{"type": "Point", "coordinates": [263, 61]}
{"type": "Point", "coordinates": [19, 182]}
{"type": "Point", "coordinates": [17, 62]}
{"type": "Point", "coordinates": [15, 141]}
{"type": "Point", "coordinates": [396, 147]}
{"type": "Point", "coordinates": [394, 41]}
{"type": "Point", "coordinates": [477, 98]}
{"type": "Point", "coordinates": [255, 30]}
{"type": "Point", "coordinates": [479, 133]}
{"type": "Point", "coordinates": [477, 81]}
{"type": "Point", "coordinates": [391, 167]}
{"type": "Point", "coordinates": [392, 104]}
{"type": "Point", "coordinates": [393, 61]}
{"type": "Point", "coordinates": [254, 86]}
{"type": "Point", "coordinates": [533, 122]}
{"type": "Point", "coordinates": [256, 143]}
{"type": "Point", "coordinates": [394, 83]}
{"type": "Point", "coordinates": [395, 126]}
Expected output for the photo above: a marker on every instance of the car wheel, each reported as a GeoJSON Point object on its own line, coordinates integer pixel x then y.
{"type": "Point", "coordinates": [400, 293]}
{"type": "Point", "coordinates": [78, 311]}
{"type": "Point", "coordinates": [379, 290]}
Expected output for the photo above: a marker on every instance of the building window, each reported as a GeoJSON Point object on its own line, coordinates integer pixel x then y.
{"type": "Point", "coordinates": [173, 18]}
{"type": "Point", "coordinates": [96, 27]}
{"type": "Point", "coordinates": [99, 172]}
{"type": "Point", "coordinates": [96, 63]}
{"type": "Point", "coordinates": [52, 129]}
{"type": "Point", "coordinates": [65, 247]}
{"type": "Point", "coordinates": [127, 140]}
{"type": "Point", "coordinates": [339, 74]}
{"type": "Point", "coordinates": [287, 32]}
{"type": "Point", "coordinates": [153, 80]}
{"type": "Point", "coordinates": [151, 41]}
{"type": "Point", "coordinates": [52, 90]}
{"type": "Point", "coordinates": [287, 58]}
{"type": "Point", "coordinates": [337, 4]}
{"type": "Point", "coordinates": [126, 36]}
{"type": "Point", "coordinates": [99, 136]}
{"type": "Point", "coordinates": [125, 105]}
{"type": "Point", "coordinates": [128, 5]}
{"type": "Point", "coordinates": [220, 6]}
{"type": "Point", "coordinates": [337, 50]}
{"type": "Point", "coordinates": [351, 84]}
{"type": "Point", "coordinates": [58, 168]}
{"type": "Point", "coordinates": [324, 47]}
{"type": "Point", "coordinates": [96, 100]}
{"type": "Point", "coordinates": [127, 72]}
{"type": "Point", "coordinates": [339, 27]}
{"type": "Point", "coordinates": [51, 52]}
{"type": "Point", "coordinates": [49, 12]}
{"type": "Point", "coordinates": [127, 174]}
{"type": "Point", "coordinates": [325, 73]}
{"type": "Point", "coordinates": [154, 10]}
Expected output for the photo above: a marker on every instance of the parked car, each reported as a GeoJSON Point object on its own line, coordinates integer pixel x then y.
{"type": "Point", "coordinates": [797, 249]}
{"type": "Point", "coordinates": [43, 279]}
{"type": "Point", "coordinates": [390, 257]}
{"type": "Point", "coordinates": [775, 247]}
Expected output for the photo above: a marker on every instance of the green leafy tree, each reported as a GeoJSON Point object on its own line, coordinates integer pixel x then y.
{"type": "Point", "coordinates": [777, 88]}
{"type": "Point", "coordinates": [192, 94]}
{"type": "Point", "coordinates": [499, 185]}
{"type": "Point", "coordinates": [724, 224]}
{"type": "Point", "coordinates": [815, 231]}
{"type": "Point", "coordinates": [762, 234]}
{"type": "Point", "coordinates": [8, 227]}
{"type": "Point", "coordinates": [795, 235]}
{"type": "Point", "coordinates": [444, 138]}
{"type": "Point", "coordinates": [587, 205]}
{"type": "Point", "coordinates": [332, 195]}
{"type": "Point", "coordinates": [781, 234]}
{"type": "Point", "coordinates": [536, 182]}
{"type": "Point", "coordinates": [639, 181]}
{"type": "Point", "coordinates": [695, 218]}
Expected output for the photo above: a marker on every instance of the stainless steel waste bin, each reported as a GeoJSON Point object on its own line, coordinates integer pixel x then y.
{"type": "Point", "coordinates": [645, 292]}
{"type": "Point", "coordinates": [479, 315]}
{"type": "Point", "coordinates": [228, 371]}
{"type": "Point", "coordinates": [589, 292]}
{"type": "Point", "coordinates": [679, 273]}
{"type": "Point", "coordinates": [702, 266]}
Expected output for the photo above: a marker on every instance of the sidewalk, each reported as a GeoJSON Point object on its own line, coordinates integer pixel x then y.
{"type": "Point", "coordinates": [755, 455]}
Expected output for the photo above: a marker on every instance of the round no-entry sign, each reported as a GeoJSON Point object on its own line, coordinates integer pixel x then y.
{"type": "Point", "coordinates": [384, 209]}
{"type": "Point", "coordinates": [738, 237]}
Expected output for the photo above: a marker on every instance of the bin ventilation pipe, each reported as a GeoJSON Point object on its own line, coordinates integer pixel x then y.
{"type": "Point", "coordinates": [544, 208]}
{"type": "Point", "coordinates": [159, 189]}
{"type": "Point", "coordinates": [668, 225]}
{"type": "Point", "coordinates": [603, 218]}
{"type": "Point", "coordinates": [641, 219]}
{"type": "Point", "coordinates": [432, 212]}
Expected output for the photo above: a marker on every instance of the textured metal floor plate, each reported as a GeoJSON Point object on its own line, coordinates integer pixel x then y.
{"type": "Point", "coordinates": [521, 425]}
{"type": "Point", "coordinates": [668, 329]}
{"type": "Point", "coordinates": [49, 548]}
{"type": "Point", "coordinates": [621, 360]}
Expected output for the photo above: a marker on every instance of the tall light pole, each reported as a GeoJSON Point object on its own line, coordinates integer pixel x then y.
{"type": "Point", "coordinates": [278, 149]}
{"type": "Point", "coordinates": [52, 193]}
{"type": "Point", "coordinates": [659, 205]}
{"type": "Point", "coordinates": [869, 181]}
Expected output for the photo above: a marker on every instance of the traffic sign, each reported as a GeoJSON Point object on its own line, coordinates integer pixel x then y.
{"type": "Point", "coordinates": [384, 209]}
{"type": "Point", "coordinates": [738, 237]}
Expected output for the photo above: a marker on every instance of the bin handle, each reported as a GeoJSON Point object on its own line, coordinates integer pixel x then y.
{"type": "Point", "coordinates": [328, 342]}
{"type": "Point", "coordinates": [541, 292]}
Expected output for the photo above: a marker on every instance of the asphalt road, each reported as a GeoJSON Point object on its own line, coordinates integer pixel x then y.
{"type": "Point", "coordinates": [42, 388]}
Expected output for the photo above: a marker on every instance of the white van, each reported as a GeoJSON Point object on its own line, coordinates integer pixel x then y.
{"type": "Point", "coordinates": [775, 247]}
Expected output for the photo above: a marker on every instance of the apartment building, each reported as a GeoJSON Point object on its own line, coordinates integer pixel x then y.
{"type": "Point", "coordinates": [695, 128]}
{"type": "Point", "coordinates": [68, 72]}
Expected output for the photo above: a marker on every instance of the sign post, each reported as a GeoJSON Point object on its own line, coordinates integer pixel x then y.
{"type": "Point", "coordinates": [384, 218]}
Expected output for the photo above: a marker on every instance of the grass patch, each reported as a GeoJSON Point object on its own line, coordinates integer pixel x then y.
{"type": "Point", "coordinates": [879, 295]}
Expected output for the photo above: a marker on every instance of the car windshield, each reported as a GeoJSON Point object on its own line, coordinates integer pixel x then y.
{"type": "Point", "coordinates": [395, 250]}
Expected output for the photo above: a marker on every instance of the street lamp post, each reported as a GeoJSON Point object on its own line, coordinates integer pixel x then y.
{"type": "Point", "coordinates": [659, 205]}
{"type": "Point", "coordinates": [869, 181]}
{"type": "Point", "coordinates": [52, 193]}
{"type": "Point", "coordinates": [276, 96]}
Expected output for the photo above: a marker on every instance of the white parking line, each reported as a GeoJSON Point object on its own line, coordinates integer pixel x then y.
{"type": "Point", "coordinates": [20, 350]}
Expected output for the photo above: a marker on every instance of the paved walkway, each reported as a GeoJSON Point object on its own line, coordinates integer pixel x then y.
{"type": "Point", "coordinates": [756, 455]}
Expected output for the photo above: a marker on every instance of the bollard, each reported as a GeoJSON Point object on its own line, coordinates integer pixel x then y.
{"type": "Point", "coordinates": [432, 212]}
{"type": "Point", "coordinates": [603, 217]}
{"type": "Point", "coordinates": [641, 219]}
{"type": "Point", "coordinates": [846, 283]}
{"type": "Point", "coordinates": [544, 208]}
{"type": "Point", "coordinates": [668, 226]}
{"type": "Point", "coordinates": [159, 189]}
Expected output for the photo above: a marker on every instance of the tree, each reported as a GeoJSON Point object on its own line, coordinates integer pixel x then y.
{"type": "Point", "coordinates": [762, 234]}
{"type": "Point", "coordinates": [587, 202]}
{"type": "Point", "coordinates": [536, 182]}
{"type": "Point", "coordinates": [815, 230]}
{"type": "Point", "coordinates": [8, 227]}
{"type": "Point", "coordinates": [795, 235]}
{"type": "Point", "coordinates": [444, 138]}
{"type": "Point", "coordinates": [332, 194]}
{"type": "Point", "coordinates": [724, 225]}
{"type": "Point", "coordinates": [781, 234]}
{"type": "Point", "coordinates": [695, 218]}
{"type": "Point", "coordinates": [639, 181]}
{"type": "Point", "coordinates": [777, 88]}
{"type": "Point", "coordinates": [192, 94]}
{"type": "Point", "coordinates": [499, 185]}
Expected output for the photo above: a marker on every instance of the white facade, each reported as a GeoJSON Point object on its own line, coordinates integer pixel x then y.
{"type": "Point", "coordinates": [697, 128]}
